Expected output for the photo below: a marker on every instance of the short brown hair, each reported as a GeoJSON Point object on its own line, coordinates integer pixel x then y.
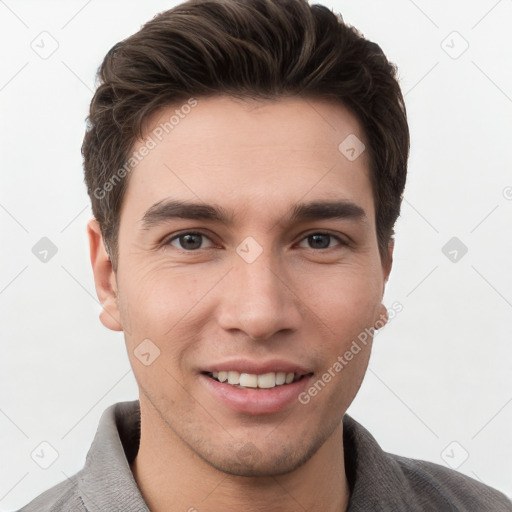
{"type": "Point", "coordinates": [246, 49]}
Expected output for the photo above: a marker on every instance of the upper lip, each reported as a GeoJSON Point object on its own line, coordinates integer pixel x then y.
{"type": "Point", "coordinates": [258, 367]}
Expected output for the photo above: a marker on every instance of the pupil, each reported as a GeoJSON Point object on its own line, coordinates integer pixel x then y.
{"type": "Point", "coordinates": [189, 238]}
{"type": "Point", "coordinates": [321, 246]}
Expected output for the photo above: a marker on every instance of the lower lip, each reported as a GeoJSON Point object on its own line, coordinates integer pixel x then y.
{"type": "Point", "coordinates": [256, 401]}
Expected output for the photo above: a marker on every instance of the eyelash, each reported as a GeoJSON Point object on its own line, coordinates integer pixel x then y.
{"type": "Point", "coordinates": [177, 236]}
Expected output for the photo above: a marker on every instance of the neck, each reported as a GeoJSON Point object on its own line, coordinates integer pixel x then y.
{"type": "Point", "coordinates": [172, 478]}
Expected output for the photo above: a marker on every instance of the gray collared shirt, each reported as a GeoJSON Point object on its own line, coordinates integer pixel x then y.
{"type": "Point", "coordinates": [378, 481]}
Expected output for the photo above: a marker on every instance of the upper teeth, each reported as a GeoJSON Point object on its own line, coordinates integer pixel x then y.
{"type": "Point", "coordinates": [251, 380]}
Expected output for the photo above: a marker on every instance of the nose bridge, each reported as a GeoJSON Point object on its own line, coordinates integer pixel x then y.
{"type": "Point", "coordinates": [257, 300]}
{"type": "Point", "coordinates": [260, 280]}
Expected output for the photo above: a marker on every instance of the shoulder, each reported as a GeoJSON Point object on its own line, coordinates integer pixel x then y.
{"type": "Point", "coordinates": [435, 484]}
{"type": "Point", "coordinates": [106, 477]}
{"type": "Point", "coordinates": [387, 482]}
{"type": "Point", "coordinates": [63, 497]}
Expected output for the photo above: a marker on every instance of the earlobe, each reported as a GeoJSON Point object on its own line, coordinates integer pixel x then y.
{"type": "Point", "coordinates": [104, 278]}
{"type": "Point", "coordinates": [383, 318]}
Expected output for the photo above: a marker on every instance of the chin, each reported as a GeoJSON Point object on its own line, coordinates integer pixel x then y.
{"type": "Point", "coordinates": [249, 461]}
{"type": "Point", "coordinates": [261, 469]}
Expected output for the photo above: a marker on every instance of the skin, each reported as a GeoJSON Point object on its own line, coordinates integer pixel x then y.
{"type": "Point", "coordinates": [295, 302]}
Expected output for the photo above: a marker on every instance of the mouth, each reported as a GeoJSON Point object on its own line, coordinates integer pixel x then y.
{"type": "Point", "coordinates": [255, 388]}
{"type": "Point", "coordinates": [267, 380]}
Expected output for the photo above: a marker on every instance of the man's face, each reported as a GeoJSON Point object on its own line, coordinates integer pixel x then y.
{"type": "Point", "coordinates": [257, 293]}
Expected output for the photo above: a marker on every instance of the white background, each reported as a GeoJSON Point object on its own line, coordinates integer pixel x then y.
{"type": "Point", "coordinates": [440, 371]}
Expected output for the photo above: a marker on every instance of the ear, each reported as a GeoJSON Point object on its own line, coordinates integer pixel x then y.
{"type": "Point", "coordinates": [382, 320]}
{"type": "Point", "coordinates": [388, 263]}
{"type": "Point", "coordinates": [104, 278]}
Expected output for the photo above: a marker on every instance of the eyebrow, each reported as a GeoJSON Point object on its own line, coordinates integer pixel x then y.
{"type": "Point", "coordinates": [169, 209]}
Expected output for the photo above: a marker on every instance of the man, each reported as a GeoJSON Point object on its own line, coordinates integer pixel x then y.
{"type": "Point", "coordinates": [246, 161]}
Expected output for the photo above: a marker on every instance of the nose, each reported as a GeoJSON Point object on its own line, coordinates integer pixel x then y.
{"type": "Point", "coordinates": [258, 299]}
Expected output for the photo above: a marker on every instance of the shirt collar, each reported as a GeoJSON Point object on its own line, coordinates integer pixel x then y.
{"type": "Point", "coordinates": [375, 479]}
{"type": "Point", "coordinates": [107, 478]}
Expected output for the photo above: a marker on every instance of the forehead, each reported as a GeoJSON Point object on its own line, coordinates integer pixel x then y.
{"type": "Point", "coordinates": [251, 154]}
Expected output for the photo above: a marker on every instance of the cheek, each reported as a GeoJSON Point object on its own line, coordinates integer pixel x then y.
{"type": "Point", "coordinates": [343, 355]}
{"type": "Point", "coordinates": [157, 298]}
{"type": "Point", "coordinates": [347, 299]}
{"type": "Point", "coordinates": [169, 307]}
{"type": "Point", "coordinates": [348, 306]}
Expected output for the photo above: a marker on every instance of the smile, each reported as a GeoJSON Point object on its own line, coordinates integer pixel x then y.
{"type": "Point", "coordinates": [251, 380]}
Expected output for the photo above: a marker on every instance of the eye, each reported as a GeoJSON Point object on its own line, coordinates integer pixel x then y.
{"type": "Point", "coordinates": [321, 240]}
{"type": "Point", "coordinates": [188, 241]}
